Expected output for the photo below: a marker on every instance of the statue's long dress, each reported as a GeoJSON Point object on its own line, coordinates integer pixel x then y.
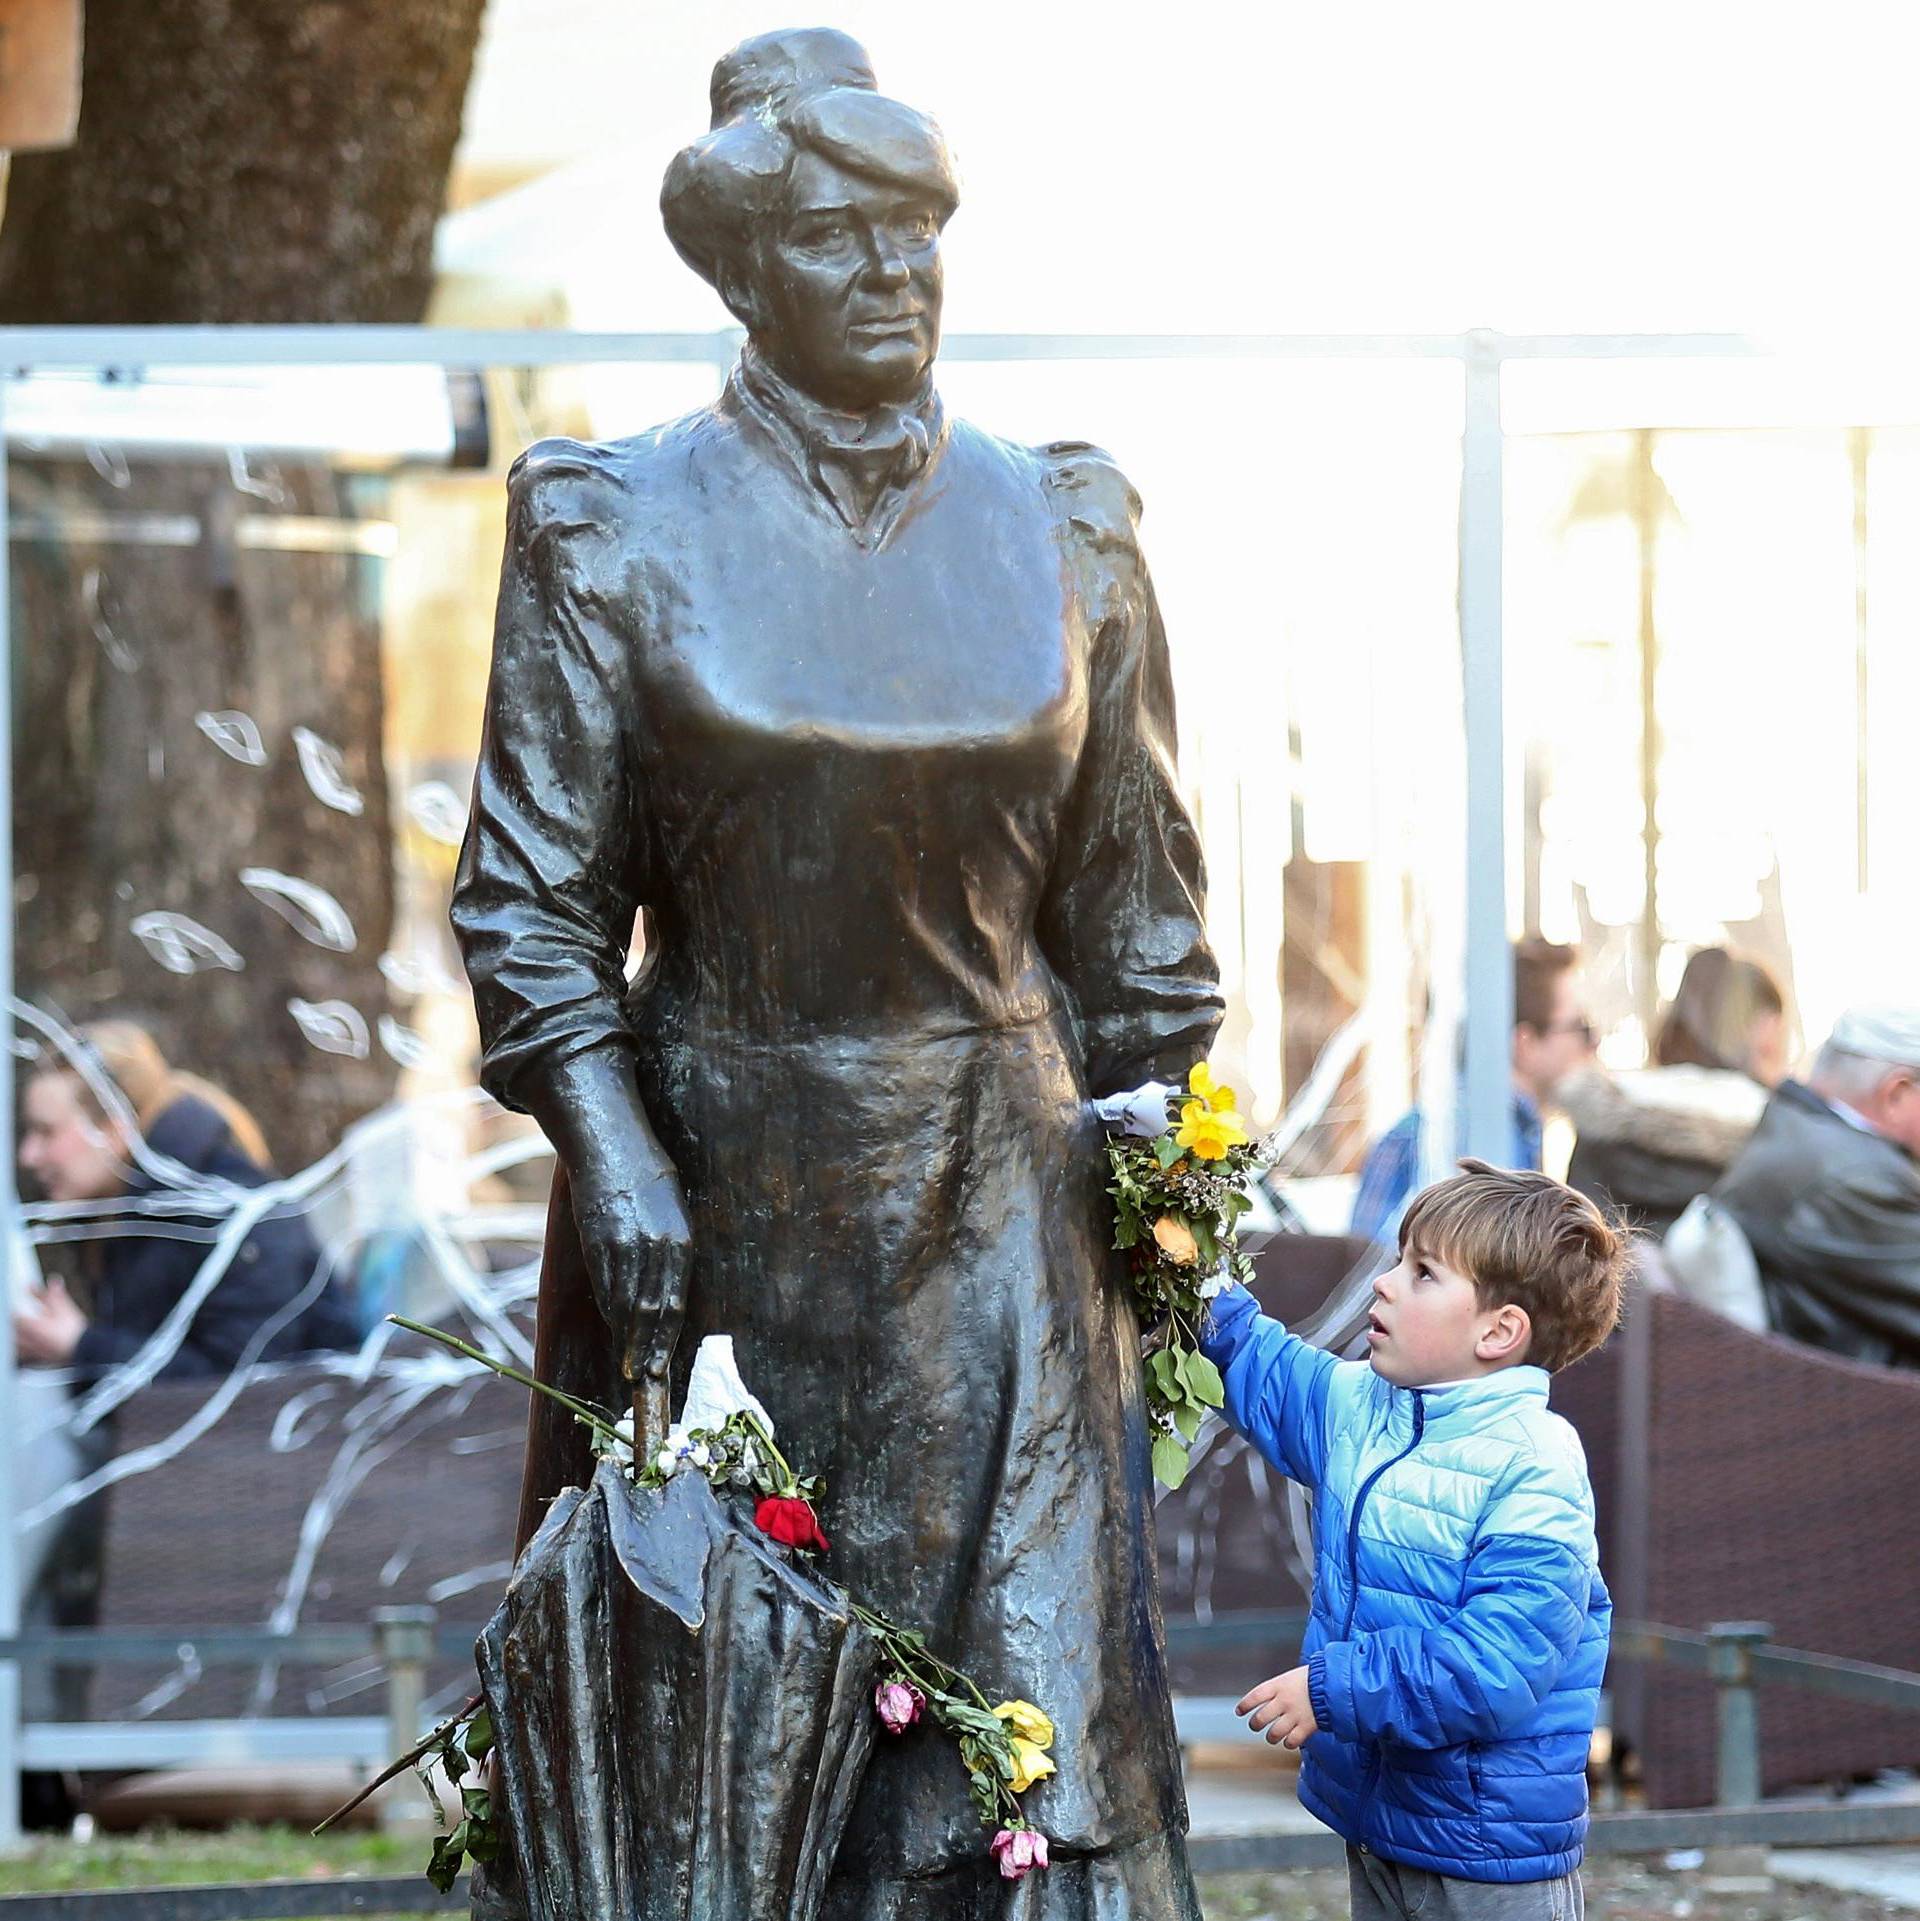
{"type": "Point", "coordinates": [896, 794]}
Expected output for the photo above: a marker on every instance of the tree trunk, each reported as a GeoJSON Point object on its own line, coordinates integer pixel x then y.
{"type": "Point", "coordinates": [237, 161]}
{"type": "Point", "coordinates": [126, 807]}
{"type": "Point", "coordinates": [244, 160]}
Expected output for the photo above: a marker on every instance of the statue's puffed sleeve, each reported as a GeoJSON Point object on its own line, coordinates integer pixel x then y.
{"type": "Point", "coordinates": [1123, 920]}
{"type": "Point", "coordinates": [550, 873]}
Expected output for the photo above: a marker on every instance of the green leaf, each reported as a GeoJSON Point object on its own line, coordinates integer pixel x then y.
{"type": "Point", "coordinates": [1169, 1461]}
{"type": "Point", "coordinates": [1204, 1382]}
{"type": "Point", "coordinates": [1165, 1374]}
{"type": "Point", "coordinates": [479, 1735]}
{"type": "Point", "coordinates": [1187, 1421]}
{"type": "Point", "coordinates": [443, 1865]}
{"type": "Point", "coordinates": [477, 1803]}
{"type": "Point", "coordinates": [1166, 1150]}
{"type": "Point", "coordinates": [454, 1760]}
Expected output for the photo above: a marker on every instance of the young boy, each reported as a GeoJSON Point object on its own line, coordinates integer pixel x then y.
{"type": "Point", "coordinates": [1459, 1625]}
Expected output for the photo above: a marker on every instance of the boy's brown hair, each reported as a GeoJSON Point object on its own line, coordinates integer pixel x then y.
{"type": "Point", "coordinates": [1526, 1239]}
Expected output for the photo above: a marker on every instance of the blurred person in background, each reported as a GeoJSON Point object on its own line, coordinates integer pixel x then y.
{"type": "Point", "coordinates": [1649, 1142]}
{"type": "Point", "coordinates": [1551, 1037]}
{"type": "Point", "coordinates": [116, 1290]}
{"type": "Point", "coordinates": [1828, 1193]}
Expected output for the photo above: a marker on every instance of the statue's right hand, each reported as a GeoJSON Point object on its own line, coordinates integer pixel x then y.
{"type": "Point", "coordinates": [638, 1244]}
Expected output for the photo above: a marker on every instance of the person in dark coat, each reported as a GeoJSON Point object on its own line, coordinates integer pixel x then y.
{"type": "Point", "coordinates": [1650, 1141]}
{"type": "Point", "coordinates": [172, 1131]}
{"type": "Point", "coordinates": [1828, 1193]}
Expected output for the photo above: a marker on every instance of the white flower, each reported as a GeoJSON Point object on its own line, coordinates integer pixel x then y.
{"type": "Point", "coordinates": [666, 1461]}
{"type": "Point", "coordinates": [623, 1429]}
{"type": "Point", "coordinates": [1215, 1284]}
{"type": "Point", "coordinates": [1141, 1113]}
{"type": "Point", "coordinates": [701, 1454]}
{"type": "Point", "coordinates": [750, 1460]}
{"type": "Point", "coordinates": [715, 1391]}
{"type": "Point", "coordinates": [620, 1453]}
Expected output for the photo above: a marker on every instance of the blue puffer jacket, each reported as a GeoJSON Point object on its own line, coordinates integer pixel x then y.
{"type": "Point", "coordinates": [1459, 1626]}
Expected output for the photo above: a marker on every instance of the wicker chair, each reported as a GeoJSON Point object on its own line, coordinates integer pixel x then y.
{"type": "Point", "coordinates": [1757, 1480]}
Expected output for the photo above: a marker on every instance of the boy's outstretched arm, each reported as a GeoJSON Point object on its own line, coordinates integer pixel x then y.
{"type": "Point", "coordinates": [1482, 1671]}
{"type": "Point", "coordinates": [1277, 1385]}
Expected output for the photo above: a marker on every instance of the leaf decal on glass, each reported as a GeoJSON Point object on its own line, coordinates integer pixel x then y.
{"type": "Point", "coordinates": [335, 1027]}
{"type": "Point", "coordinates": [183, 946]}
{"type": "Point", "coordinates": [438, 811]}
{"type": "Point", "coordinates": [235, 735]}
{"type": "Point", "coordinates": [415, 974]}
{"type": "Point", "coordinates": [320, 762]}
{"type": "Point", "coordinates": [403, 1044]}
{"type": "Point", "coordinates": [309, 910]}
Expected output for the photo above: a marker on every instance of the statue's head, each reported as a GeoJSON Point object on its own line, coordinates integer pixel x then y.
{"type": "Point", "coordinates": [814, 207]}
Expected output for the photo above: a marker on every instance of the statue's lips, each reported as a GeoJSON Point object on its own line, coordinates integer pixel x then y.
{"type": "Point", "coordinates": [889, 327]}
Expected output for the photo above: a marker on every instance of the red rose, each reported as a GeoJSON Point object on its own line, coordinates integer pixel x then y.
{"type": "Point", "coordinates": [791, 1522]}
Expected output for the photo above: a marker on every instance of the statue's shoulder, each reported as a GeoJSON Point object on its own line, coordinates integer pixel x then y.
{"type": "Point", "coordinates": [1091, 494]}
{"type": "Point", "coordinates": [554, 474]}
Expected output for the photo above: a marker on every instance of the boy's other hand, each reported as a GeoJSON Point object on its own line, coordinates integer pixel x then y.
{"type": "Point", "coordinates": [1281, 1709]}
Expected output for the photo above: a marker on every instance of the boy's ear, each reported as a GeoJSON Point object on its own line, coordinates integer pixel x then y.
{"type": "Point", "coordinates": [1506, 1337]}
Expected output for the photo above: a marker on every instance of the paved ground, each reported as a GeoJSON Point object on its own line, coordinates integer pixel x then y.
{"type": "Point", "coordinates": [1814, 1884]}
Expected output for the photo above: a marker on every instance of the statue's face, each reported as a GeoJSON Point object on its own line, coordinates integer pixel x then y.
{"type": "Point", "coordinates": [847, 288]}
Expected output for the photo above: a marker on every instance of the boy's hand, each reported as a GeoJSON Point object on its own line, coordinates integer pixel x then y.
{"type": "Point", "coordinates": [1282, 1709]}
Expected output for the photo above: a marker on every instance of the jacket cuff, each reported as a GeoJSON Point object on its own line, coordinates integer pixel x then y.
{"type": "Point", "coordinates": [1326, 1684]}
{"type": "Point", "coordinates": [1227, 1315]}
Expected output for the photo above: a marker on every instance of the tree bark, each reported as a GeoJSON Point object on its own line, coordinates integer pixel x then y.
{"type": "Point", "coordinates": [125, 806]}
{"type": "Point", "coordinates": [244, 160]}
{"type": "Point", "coordinates": [237, 161]}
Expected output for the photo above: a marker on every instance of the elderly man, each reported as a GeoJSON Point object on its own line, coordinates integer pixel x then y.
{"type": "Point", "coordinates": [1828, 1192]}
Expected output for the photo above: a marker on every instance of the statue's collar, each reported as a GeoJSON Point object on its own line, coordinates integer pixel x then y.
{"type": "Point", "coordinates": [861, 464]}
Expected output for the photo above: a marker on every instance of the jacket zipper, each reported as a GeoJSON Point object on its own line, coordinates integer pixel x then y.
{"type": "Point", "coordinates": [1353, 1591]}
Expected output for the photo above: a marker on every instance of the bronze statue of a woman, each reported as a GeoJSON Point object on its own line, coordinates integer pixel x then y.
{"type": "Point", "coordinates": [868, 714]}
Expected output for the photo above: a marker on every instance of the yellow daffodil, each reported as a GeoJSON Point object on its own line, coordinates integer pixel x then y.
{"type": "Point", "coordinates": [1030, 1764]}
{"type": "Point", "coordinates": [1219, 1097]}
{"type": "Point", "coordinates": [1207, 1135]}
{"type": "Point", "coordinates": [1027, 1721]}
{"type": "Point", "coordinates": [1175, 1240]}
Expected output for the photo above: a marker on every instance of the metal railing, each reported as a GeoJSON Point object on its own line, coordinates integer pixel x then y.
{"type": "Point", "coordinates": [1738, 1657]}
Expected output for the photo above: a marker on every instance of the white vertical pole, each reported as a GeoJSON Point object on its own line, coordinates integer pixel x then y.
{"type": "Point", "coordinates": [9, 1200]}
{"type": "Point", "coordinates": [1486, 1119]}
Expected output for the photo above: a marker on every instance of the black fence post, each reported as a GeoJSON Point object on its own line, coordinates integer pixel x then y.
{"type": "Point", "coordinates": [403, 1637]}
{"type": "Point", "coordinates": [1737, 1744]}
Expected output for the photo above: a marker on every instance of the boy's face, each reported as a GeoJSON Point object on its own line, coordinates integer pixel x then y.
{"type": "Point", "coordinates": [1427, 1325]}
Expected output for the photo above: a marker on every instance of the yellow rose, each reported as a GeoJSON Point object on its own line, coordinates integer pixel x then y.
{"type": "Point", "coordinates": [1175, 1240]}
{"type": "Point", "coordinates": [1027, 1722]}
{"type": "Point", "coordinates": [1219, 1097]}
{"type": "Point", "coordinates": [1030, 1764]}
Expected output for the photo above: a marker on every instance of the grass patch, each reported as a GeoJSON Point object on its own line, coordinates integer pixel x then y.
{"type": "Point", "coordinates": [168, 1858]}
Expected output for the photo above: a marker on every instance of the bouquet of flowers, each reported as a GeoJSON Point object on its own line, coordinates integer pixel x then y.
{"type": "Point", "coordinates": [726, 1435]}
{"type": "Point", "coordinates": [1178, 1197]}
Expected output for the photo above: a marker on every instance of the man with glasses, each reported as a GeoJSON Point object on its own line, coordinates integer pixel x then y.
{"type": "Point", "coordinates": [1551, 1037]}
{"type": "Point", "coordinates": [1828, 1193]}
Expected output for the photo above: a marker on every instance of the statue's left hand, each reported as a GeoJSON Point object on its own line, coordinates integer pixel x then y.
{"type": "Point", "coordinates": [638, 1244]}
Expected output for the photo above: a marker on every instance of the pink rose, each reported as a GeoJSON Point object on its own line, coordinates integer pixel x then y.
{"type": "Point", "coordinates": [1019, 1851]}
{"type": "Point", "coordinates": [898, 1704]}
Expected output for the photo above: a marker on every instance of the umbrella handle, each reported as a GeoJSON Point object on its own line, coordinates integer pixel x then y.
{"type": "Point", "coordinates": [652, 1415]}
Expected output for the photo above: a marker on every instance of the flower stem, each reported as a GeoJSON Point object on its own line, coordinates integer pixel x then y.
{"type": "Point", "coordinates": [594, 1417]}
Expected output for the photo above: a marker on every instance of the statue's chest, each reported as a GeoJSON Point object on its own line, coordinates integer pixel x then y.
{"type": "Point", "coordinates": [770, 623]}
